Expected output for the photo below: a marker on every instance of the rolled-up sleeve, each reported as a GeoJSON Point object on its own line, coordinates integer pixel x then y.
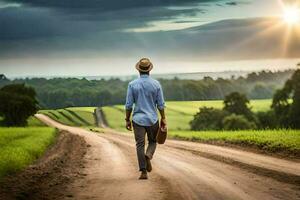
{"type": "Point", "coordinates": [129, 98]}
{"type": "Point", "coordinates": [160, 99]}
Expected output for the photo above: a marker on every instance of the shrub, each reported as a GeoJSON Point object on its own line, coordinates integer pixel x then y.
{"type": "Point", "coordinates": [208, 119]}
{"type": "Point", "coordinates": [267, 120]}
{"type": "Point", "coordinates": [237, 122]}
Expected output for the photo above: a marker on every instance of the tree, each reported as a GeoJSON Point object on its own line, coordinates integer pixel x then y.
{"type": "Point", "coordinates": [288, 113]}
{"type": "Point", "coordinates": [261, 91]}
{"type": "Point", "coordinates": [17, 103]}
{"type": "Point", "coordinates": [281, 106]}
{"type": "Point", "coordinates": [237, 103]}
{"type": "Point", "coordinates": [208, 119]}
{"type": "Point", "coordinates": [267, 120]}
{"type": "Point", "coordinates": [237, 122]}
{"type": "Point", "coordinates": [294, 112]}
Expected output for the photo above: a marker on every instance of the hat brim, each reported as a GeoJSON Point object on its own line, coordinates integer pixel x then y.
{"type": "Point", "coordinates": [138, 67]}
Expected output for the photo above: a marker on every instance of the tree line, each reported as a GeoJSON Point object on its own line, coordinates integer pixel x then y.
{"type": "Point", "coordinates": [237, 115]}
{"type": "Point", "coordinates": [67, 92]}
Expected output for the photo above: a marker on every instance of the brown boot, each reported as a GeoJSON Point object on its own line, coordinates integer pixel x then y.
{"type": "Point", "coordinates": [143, 175]}
{"type": "Point", "coordinates": [148, 164]}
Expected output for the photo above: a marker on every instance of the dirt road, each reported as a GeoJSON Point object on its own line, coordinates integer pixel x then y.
{"type": "Point", "coordinates": [182, 170]}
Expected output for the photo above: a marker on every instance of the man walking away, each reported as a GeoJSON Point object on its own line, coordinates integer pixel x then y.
{"type": "Point", "coordinates": [146, 95]}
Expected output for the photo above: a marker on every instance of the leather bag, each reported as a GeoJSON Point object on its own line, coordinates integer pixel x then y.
{"type": "Point", "coordinates": [162, 135]}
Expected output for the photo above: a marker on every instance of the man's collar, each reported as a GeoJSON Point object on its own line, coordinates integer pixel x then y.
{"type": "Point", "coordinates": [144, 75]}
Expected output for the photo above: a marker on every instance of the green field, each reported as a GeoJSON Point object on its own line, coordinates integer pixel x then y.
{"type": "Point", "coordinates": [179, 113]}
{"type": "Point", "coordinates": [33, 121]}
{"type": "Point", "coordinates": [269, 140]}
{"type": "Point", "coordinates": [78, 116]}
{"type": "Point", "coordinates": [20, 147]}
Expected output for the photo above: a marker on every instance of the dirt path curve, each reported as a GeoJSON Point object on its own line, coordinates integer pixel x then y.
{"type": "Point", "coordinates": [182, 170]}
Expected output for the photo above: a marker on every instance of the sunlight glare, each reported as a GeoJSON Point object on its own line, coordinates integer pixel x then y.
{"type": "Point", "coordinates": [291, 15]}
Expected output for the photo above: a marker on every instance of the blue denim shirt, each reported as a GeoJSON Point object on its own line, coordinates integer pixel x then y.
{"type": "Point", "coordinates": [146, 94]}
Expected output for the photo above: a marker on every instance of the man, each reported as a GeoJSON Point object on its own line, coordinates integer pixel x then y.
{"type": "Point", "coordinates": [147, 96]}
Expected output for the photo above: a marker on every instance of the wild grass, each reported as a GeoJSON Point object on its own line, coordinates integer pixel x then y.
{"type": "Point", "coordinates": [270, 140]}
{"type": "Point", "coordinates": [20, 147]}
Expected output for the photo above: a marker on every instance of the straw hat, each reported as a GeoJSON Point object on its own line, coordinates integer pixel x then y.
{"type": "Point", "coordinates": [144, 65]}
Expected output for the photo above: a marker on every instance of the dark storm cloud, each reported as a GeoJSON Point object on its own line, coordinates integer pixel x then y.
{"type": "Point", "coordinates": [206, 42]}
{"type": "Point", "coordinates": [105, 5]}
{"type": "Point", "coordinates": [84, 27]}
{"type": "Point", "coordinates": [35, 23]}
{"type": "Point", "coordinates": [76, 18]}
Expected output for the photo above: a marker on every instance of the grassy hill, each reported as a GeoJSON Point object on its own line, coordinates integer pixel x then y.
{"type": "Point", "coordinates": [77, 116]}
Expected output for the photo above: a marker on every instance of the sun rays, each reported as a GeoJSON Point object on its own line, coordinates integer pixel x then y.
{"type": "Point", "coordinates": [291, 18]}
{"type": "Point", "coordinates": [291, 15]}
{"type": "Point", "coordinates": [286, 26]}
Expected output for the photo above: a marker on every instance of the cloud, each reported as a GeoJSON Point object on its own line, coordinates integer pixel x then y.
{"type": "Point", "coordinates": [76, 28]}
{"type": "Point", "coordinates": [36, 19]}
{"type": "Point", "coordinates": [9, 5]}
{"type": "Point", "coordinates": [223, 40]}
{"type": "Point", "coordinates": [104, 5]}
{"type": "Point", "coordinates": [232, 3]}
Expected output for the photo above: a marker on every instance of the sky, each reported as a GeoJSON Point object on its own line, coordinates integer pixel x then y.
{"type": "Point", "coordinates": [107, 37]}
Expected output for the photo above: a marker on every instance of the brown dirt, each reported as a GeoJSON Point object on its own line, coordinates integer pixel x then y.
{"type": "Point", "coordinates": [181, 170]}
{"type": "Point", "coordinates": [50, 176]}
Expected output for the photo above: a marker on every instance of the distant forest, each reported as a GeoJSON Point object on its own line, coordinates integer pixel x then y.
{"type": "Point", "coordinates": [68, 92]}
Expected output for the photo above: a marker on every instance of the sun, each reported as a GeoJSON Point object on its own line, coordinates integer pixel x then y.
{"type": "Point", "coordinates": [291, 15]}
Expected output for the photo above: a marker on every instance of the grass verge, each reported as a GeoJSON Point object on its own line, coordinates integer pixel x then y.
{"type": "Point", "coordinates": [20, 147]}
{"type": "Point", "coordinates": [268, 140]}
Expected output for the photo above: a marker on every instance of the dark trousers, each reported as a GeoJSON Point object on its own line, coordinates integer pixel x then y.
{"type": "Point", "coordinates": [139, 134]}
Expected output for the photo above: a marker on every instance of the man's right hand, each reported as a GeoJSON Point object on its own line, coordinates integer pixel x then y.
{"type": "Point", "coordinates": [128, 125]}
{"type": "Point", "coordinates": [163, 123]}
